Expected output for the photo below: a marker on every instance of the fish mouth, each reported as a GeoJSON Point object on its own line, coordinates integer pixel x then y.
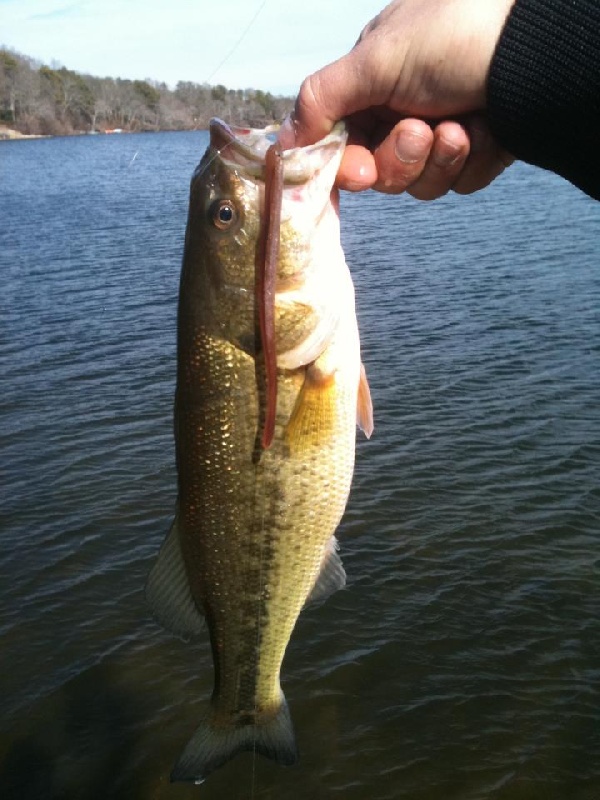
{"type": "Point", "coordinates": [245, 149]}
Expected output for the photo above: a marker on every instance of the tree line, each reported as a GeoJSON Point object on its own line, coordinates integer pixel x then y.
{"type": "Point", "coordinates": [40, 99]}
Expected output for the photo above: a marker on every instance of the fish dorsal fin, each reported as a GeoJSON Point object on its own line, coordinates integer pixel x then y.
{"type": "Point", "coordinates": [332, 575]}
{"type": "Point", "coordinates": [364, 405]}
{"type": "Point", "coordinates": [168, 591]}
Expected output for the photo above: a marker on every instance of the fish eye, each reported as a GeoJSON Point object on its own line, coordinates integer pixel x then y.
{"type": "Point", "coordinates": [223, 214]}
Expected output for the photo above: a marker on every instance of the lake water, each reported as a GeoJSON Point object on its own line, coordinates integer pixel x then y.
{"type": "Point", "coordinates": [463, 660]}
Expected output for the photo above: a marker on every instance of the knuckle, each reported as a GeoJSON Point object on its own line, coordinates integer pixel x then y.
{"type": "Point", "coordinates": [307, 95]}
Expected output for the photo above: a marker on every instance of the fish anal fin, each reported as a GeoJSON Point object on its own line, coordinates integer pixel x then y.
{"type": "Point", "coordinates": [332, 575]}
{"type": "Point", "coordinates": [168, 591]}
{"type": "Point", "coordinates": [364, 405]}
{"type": "Point", "coordinates": [212, 745]}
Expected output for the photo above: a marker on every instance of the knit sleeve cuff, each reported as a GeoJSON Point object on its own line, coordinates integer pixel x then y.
{"type": "Point", "coordinates": [544, 87]}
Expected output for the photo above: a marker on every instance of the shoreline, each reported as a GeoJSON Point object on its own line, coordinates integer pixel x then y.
{"type": "Point", "coordinates": [7, 134]}
{"type": "Point", "coordinates": [10, 134]}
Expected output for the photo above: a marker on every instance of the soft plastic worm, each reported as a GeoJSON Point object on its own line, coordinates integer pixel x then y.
{"type": "Point", "coordinates": [265, 284]}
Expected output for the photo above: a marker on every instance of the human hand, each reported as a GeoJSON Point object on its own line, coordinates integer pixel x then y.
{"type": "Point", "coordinates": [413, 92]}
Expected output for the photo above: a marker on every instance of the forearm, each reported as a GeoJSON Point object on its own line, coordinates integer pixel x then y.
{"type": "Point", "coordinates": [544, 88]}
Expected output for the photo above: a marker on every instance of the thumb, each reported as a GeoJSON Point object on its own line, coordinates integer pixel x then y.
{"type": "Point", "coordinates": [329, 95]}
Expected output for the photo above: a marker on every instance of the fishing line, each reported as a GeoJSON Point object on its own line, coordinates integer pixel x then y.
{"type": "Point", "coordinates": [216, 155]}
{"type": "Point", "coordinates": [239, 41]}
{"type": "Point", "coordinates": [227, 56]}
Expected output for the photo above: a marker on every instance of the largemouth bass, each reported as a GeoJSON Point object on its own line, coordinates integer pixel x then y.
{"type": "Point", "coordinates": [253, 536]}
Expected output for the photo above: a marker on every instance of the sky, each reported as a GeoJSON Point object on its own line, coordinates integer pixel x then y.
{"type": "Point", "coordinates": [261, 44]}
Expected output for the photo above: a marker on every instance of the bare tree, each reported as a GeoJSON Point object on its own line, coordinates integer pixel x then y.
{"type": "Point", "coordinates": [38, 98]}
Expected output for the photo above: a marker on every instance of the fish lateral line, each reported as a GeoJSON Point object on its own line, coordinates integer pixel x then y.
{"type": "Point", "coordinates": [266, 275]}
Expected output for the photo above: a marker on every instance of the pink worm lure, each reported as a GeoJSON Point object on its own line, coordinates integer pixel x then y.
{"type": "Point", "coordinates": [266, 275]}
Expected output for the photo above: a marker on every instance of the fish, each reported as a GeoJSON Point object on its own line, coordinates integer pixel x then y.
{"type": "Point", "coordinates": [265, 417]}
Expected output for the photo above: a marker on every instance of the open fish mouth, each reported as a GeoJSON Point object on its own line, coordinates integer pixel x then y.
{"type": "Point", "coordinates": [245, 149]}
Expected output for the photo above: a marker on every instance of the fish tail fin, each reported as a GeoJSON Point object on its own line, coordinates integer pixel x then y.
{"type": "Point", "coordinates": [212, 745]}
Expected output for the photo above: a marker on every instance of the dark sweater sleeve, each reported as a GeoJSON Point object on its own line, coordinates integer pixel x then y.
{"type": "Point", "coordinates": [544, 88]}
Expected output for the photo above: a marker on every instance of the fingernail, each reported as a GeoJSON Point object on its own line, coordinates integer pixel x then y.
{"type": "Point", "coordinates": [286, 135]}
{"type": "Point", "coordinates": [411, 147]}
{"type": "Point", "coordinates": [448, 156]}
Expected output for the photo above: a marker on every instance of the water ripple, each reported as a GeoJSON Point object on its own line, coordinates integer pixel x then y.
{"type": "Point", "coordinates": [463, 659]}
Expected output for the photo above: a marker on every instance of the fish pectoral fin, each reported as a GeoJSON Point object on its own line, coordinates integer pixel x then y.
{"type": "Point", "coordinates": [212, 746]}
{"type": "Point", "coordinates": [332, 575]}
{"type": "Point", "coordinates": [314, 413]}
{"type": "Point", "coordinates": [364, 405]}
{"type": "Point", "coordinates": [168, 591]}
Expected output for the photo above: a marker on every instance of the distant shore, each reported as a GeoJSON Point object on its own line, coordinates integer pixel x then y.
{"type": "Point", "coordinates": [38, 100]}
{"type": "Point", "coordinates": [11, 133]}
